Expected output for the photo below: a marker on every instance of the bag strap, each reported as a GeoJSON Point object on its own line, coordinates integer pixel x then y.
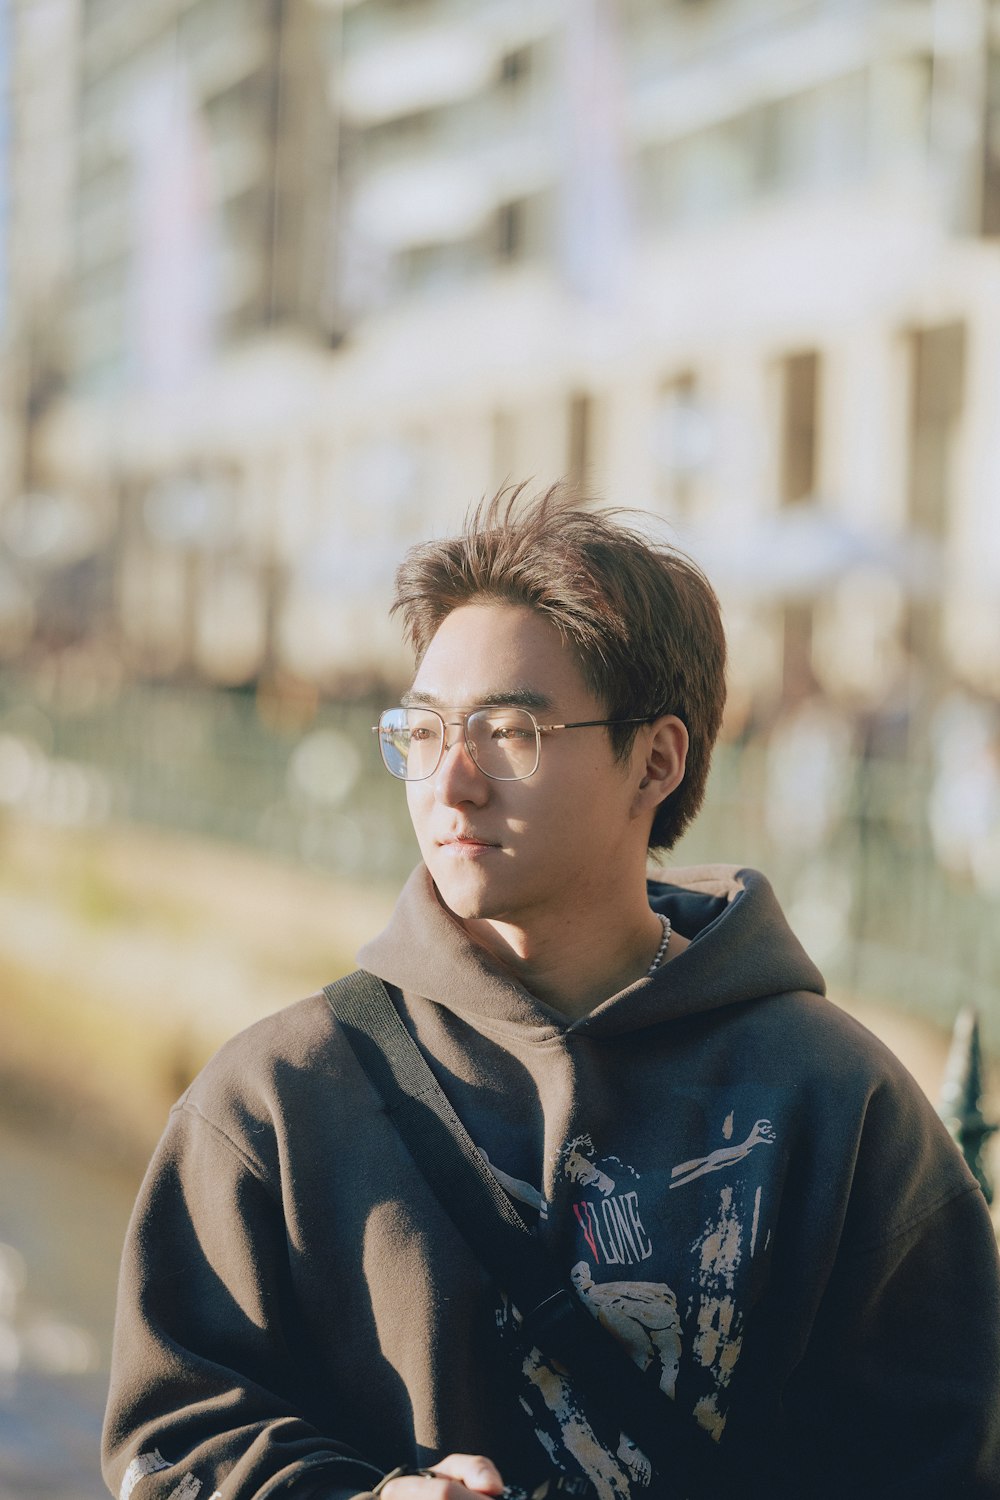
{"type": "Point", "coordinates": [554, 1319]}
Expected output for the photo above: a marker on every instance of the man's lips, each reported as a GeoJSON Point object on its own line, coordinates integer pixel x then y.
{"type": "Point", "coordinates": [465, 841]}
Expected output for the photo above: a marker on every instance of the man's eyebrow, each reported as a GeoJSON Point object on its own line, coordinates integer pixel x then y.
{"type": "Point", "coordinates": [518, 698]}
{"type": "Point", "coordinates": [515, 698]}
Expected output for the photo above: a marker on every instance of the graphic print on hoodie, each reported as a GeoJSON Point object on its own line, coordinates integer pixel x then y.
{"type": "Point", "coordinates": [681, 1318]}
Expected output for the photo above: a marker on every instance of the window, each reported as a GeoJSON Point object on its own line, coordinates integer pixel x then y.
{"type": "Point", "coordinates": [682, 442]}
{"type": "Point", "coordinates": [990, 190]}
{"type": "Point", "coordinates": [515, 67]}
{"type": "Point", "coordinates": [510, 230]}
{"type": "Point", "coordinates": [799, 467]}
{"type": "Point", "coordinates": [579, 438]}
{"type": "Point", "coordinates": [799, 426]}
{"type": "Point", "coordinates": [937, 364]}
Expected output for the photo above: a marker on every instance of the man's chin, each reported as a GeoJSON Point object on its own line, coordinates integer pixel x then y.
{"type": "Point", "coordinates": [469, 900]}
{"type": "Point", "coordinates": [464, 908]}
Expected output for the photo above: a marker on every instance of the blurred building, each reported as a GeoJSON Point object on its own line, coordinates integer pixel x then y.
{"type": "Point", "coordinates": [340, 267]}
{"type": "Point", "coordinates": [172, 172]}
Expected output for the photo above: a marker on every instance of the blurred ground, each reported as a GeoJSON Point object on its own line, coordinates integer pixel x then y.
{"type": "Point", "coordinates": [62, 1220]}
{"type": "Point", "coordinates": [127, 956]}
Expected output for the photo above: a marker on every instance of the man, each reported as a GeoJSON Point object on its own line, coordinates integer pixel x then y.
{"type": "Point", "coordinates": [742, 1187]}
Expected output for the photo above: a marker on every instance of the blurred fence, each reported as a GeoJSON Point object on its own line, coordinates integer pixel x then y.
{"type": "Point", "coordinates": [860, 882]}
{"type": "Point", "coordinates": [870, 901]}
{"type": "Point", "coordinates": [209, 763]}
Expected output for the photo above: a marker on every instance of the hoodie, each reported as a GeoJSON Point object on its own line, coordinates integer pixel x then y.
{"type": "Point", "coordinates": [741, 1184]}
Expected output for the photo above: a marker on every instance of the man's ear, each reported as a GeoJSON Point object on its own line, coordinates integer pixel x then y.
{"type": "Point", "coordinates": [665, 759]}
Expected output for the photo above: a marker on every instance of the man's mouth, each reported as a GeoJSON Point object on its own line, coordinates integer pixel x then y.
{"type": "Point", "coordinates": [466, 842]}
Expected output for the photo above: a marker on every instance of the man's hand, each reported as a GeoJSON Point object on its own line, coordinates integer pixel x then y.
{"type": "Point", "coordinates": [451, 1479]}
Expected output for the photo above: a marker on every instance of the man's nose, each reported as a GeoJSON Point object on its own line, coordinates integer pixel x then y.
{"type": "Point", "coordinates": [458, 778]}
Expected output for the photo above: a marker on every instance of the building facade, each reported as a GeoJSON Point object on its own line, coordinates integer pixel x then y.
{"type": "Point", "coordinates": [729, 261]}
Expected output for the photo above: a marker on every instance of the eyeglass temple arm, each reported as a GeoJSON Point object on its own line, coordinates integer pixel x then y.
{"type": "Point", "coordinates": [594, 723]}
{"type": "Point", "coordinates": [545, 728]}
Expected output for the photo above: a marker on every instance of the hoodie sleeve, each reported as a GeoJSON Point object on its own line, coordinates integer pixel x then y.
{"type": "Point", "coordinates": [899, 1391]}
{"type": "Point", "coordinates": [208, 1397]}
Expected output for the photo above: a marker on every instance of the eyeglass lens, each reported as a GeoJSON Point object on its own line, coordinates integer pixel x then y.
{"type": "Point", "coordinates": [503, 742]}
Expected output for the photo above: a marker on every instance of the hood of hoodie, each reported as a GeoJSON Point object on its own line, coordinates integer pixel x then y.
{"type": "Point", "coordinates": [741, 950]}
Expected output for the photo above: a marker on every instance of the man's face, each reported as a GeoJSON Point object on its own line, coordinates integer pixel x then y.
{"type": "Point", "coordinates": [515, 850]}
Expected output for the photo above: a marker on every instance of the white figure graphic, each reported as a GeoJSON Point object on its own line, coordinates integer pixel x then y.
{"type": "Point", "coordinates": [638, 1465]}
{"type": "Point", "coordinates": [762, 1134]}
{"type": "Point", "coordinates": [642, 1314]}
{"type": "Point", "coordinates": [611, 1478]}
{"type": "Point", "coordinates": [578, 1169]}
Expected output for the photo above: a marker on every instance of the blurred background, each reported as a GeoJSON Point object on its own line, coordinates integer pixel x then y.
{"type": "Point", "coordinates": [285, 285]}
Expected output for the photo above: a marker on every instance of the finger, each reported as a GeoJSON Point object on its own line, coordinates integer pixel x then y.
{"type": "Point", "coordinates": [472, 1470]}
{"type": "Point", "coordinates": [423, 1487]}
{"type": "Point", "coordinates": [452, 1479]}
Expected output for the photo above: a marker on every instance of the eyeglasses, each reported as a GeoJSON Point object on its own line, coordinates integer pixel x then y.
{"type": "Point", "coordinates": [505, 743]}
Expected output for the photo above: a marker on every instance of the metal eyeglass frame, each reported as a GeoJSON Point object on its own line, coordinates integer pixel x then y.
{"type": "Point", "coordinates": [487, 708]}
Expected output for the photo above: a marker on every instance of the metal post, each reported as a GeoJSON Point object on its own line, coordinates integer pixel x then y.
{"type": "Point", "coordinates": [961, 1096]}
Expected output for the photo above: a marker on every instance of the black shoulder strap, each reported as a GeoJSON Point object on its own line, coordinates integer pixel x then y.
{"type": "Point", "coordinates": [687, 1462]}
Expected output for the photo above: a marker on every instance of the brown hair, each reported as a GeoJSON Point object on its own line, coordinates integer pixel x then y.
{"type": "Point", "coordinates": [642, 619]}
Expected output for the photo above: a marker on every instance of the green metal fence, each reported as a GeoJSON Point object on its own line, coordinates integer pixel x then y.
{"type": "Point", "coordinates": [868, 898]}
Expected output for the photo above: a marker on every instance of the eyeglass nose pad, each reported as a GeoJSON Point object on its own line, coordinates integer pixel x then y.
{"type": "Point", "coordinates": [460, 737]}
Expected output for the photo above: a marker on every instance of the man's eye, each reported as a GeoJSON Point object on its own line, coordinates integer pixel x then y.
{"type": "Point", "coordinates": [511, 732]}
{"type": "Point", "coordinates": [423, 733]}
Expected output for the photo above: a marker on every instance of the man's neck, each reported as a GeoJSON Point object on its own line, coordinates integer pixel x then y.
{"type": "Point", "coordinates": [573, 963]}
